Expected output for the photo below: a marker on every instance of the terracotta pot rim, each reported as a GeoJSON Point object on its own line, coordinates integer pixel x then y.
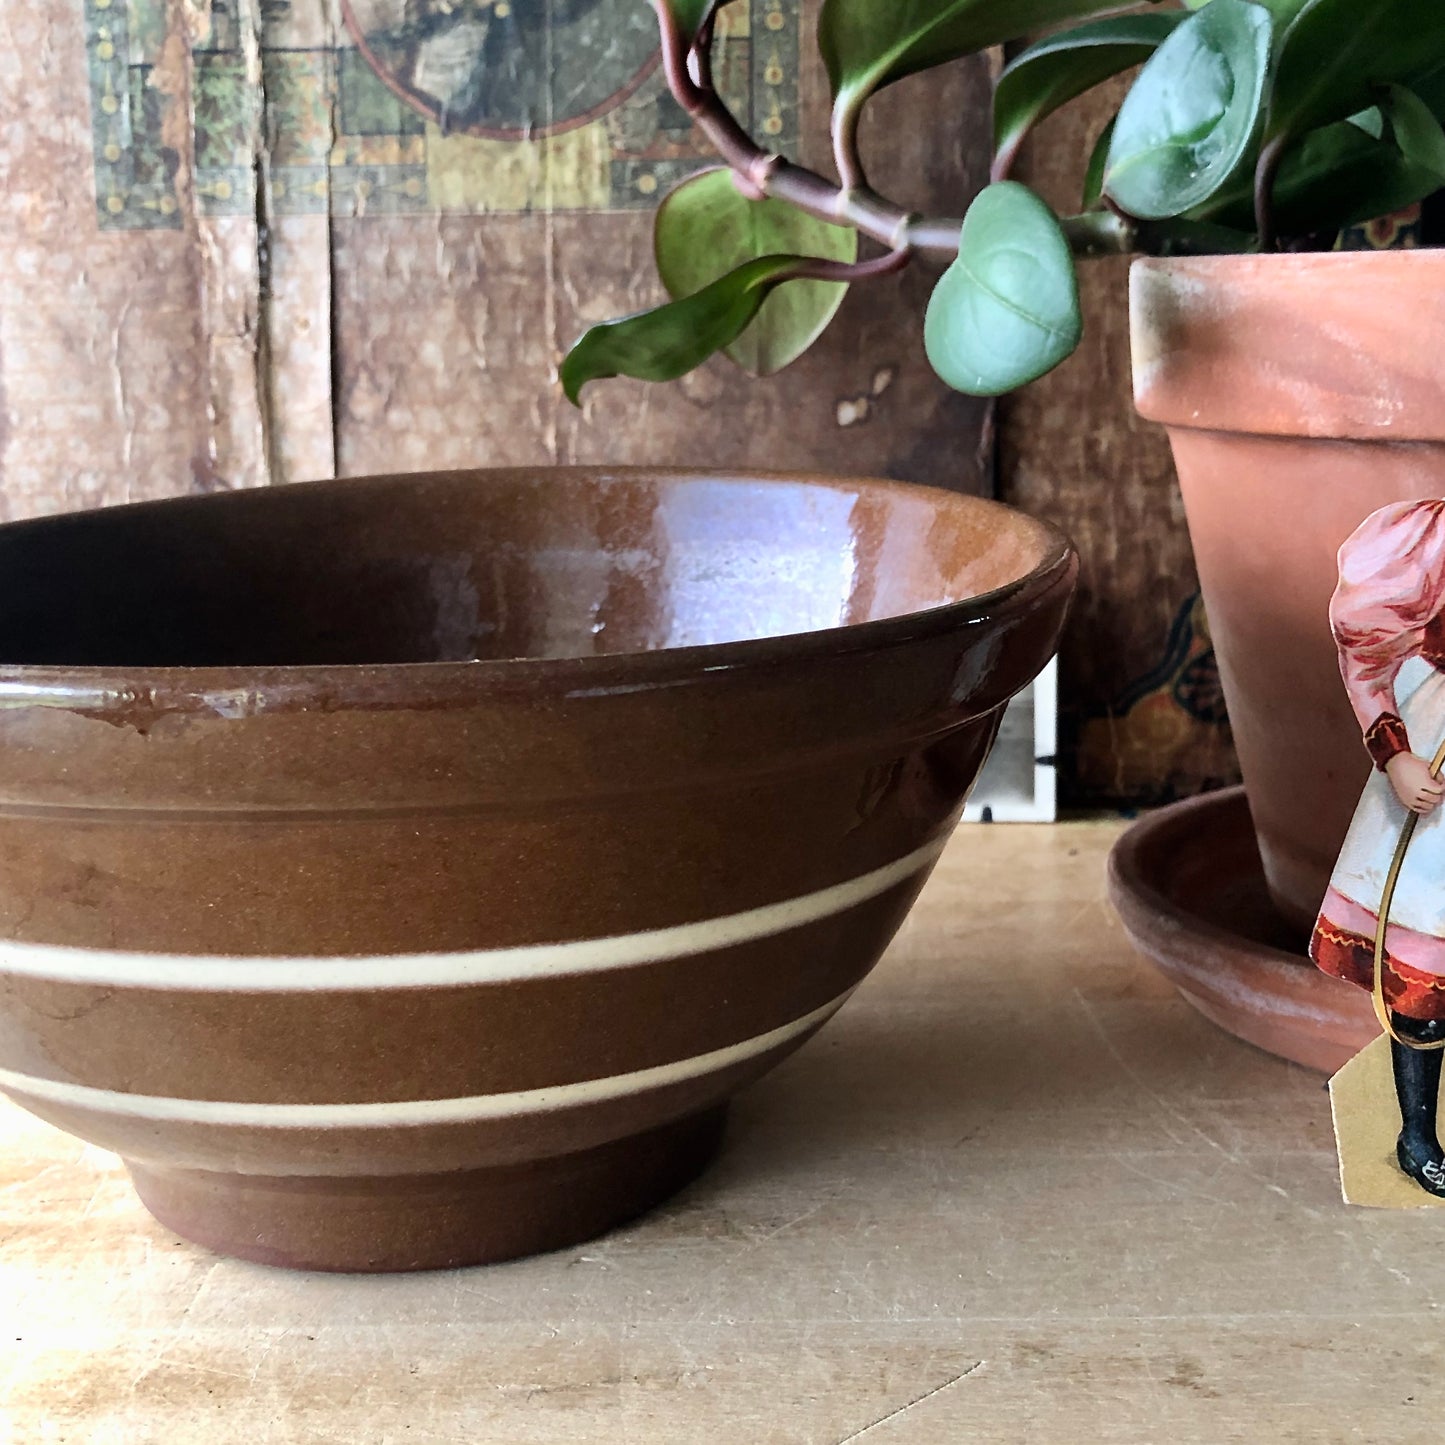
{"type": "Point", "coordinates": [101, 690]}
{"type": "Point", "coordinates": [1334, 345]}
{"type": "Point", "coordinates": [1377, 259]}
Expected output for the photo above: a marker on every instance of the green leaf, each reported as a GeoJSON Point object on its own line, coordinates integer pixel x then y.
{"type": "Point", "coordinates": [1282, 12]}
{"type": "Point", "coordinates": [1371, 121]}
{"type": "Point", "coordinates": [867, 44]}
{"type": "Point", "coordinates": [1191, 116]}
{"type": "Point", "coordinates": [691, 15]}
{"type": "Point", "coordinates": [1094, 172]}
{"type": "Point", "coordinates": [1335, 177]}
{"type": "Point", "coordinates": [1055, 70]}
{"type": "Point", "coordinates": [1431, 89]}
{"type": "Point", "coordinates": [705, 228]}
{"type": "Point", "coordinates": [1007, 309]}
{"type": "Point", "coordinates": [1417, 131]}
{"type": "Point", "coordinates": [1337, 53]}
{"type": "Point", "coordinates": [669, 341]}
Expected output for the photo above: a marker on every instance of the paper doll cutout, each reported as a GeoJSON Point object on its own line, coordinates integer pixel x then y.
{"type": "Point", "coordinates": [1386, 900]}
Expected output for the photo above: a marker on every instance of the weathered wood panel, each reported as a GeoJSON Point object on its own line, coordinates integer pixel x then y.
{"type": "Point", "coordinates": [1141, 715]}
{"type": "Point", "coordinates": [248, 241]}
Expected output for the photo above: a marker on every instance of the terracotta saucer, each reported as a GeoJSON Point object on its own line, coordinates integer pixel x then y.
{"type": "Point", "coordinates": [1189, 887]}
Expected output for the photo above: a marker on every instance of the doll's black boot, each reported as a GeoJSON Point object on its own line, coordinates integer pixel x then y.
{"type": "Point", "coordinates": [1417, 1086]}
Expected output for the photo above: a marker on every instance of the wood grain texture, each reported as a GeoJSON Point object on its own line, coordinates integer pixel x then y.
{"type": "Point", "coordinates": [1141, 717]}
{"type": "Point", "coordinates": [1018, 1191]}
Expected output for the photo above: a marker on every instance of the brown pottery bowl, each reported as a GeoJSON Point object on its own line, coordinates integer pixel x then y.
{"type": "Point", "coordinates": [404, 872]}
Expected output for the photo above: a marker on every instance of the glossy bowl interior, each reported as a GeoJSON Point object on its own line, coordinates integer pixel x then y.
{"type": "Point", "coordinates": [533, 564]}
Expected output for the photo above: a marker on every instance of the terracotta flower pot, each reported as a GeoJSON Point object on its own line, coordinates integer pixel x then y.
{"type": "Point", "coordinates": [1301, 393]}
{"type": "Point", "coordinates": [404, 873]}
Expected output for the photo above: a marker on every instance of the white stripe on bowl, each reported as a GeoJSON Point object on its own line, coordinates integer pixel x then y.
{"type": "Point", "coordinates": [413, 1112]}
{"type": "Point", "coordinates": [116, 969]}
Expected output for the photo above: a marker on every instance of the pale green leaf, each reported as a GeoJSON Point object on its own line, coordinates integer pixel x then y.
{"type": "Point", "coordinates": [705, 228]}
{"type": "Point", "coordinates": [1191, 117]}
{"type": "Point", "coordinates": [1007, 309]}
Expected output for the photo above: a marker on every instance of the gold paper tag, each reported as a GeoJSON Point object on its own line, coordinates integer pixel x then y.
{"type": "Point", "coordinates": [1367, 1123]}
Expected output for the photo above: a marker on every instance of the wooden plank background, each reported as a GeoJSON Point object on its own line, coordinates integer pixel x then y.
{"type": "Point", "coordinates": [1141, 716]}
{"type": "Point", "coordinates": [167, 335]}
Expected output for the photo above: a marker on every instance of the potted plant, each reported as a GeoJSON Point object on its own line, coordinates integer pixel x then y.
{"type": "Point", "coordinates": [1296, 379]}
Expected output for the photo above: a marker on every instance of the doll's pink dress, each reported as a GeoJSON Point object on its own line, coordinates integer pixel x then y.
{"type": "Point", "coordinates": [1388, 616]}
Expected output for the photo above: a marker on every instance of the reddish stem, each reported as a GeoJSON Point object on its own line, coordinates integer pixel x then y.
{"type": "Point", "coordinates": [1265, 171]}
{"type": "Point", "coordinates": [819, 269]}
{"type": "Point", "coordinates": [762, 171]}
{"type": "Point", "coordinates": [1004, 158]}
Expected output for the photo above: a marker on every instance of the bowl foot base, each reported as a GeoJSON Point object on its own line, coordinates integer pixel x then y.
{"type": "Point", "coordinates": [429, 1221]}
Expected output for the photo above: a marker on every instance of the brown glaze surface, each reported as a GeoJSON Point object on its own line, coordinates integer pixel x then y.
{"type": "Point", "coordinates": [1300, 395]}
{"type": "Point", "coordinates": [1188, 885]}
{"type": "Point", "coordinates": [494, 1213]}
{"type": "Point", "coordinates": [386, 829]}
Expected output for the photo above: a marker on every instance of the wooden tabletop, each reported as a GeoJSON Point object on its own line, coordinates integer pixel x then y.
{"type": "Point", "coordinates": [1017, 1191]}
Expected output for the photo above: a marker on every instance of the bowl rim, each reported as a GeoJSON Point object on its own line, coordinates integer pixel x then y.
{"type": "Point", "coordinates": [245, 690]}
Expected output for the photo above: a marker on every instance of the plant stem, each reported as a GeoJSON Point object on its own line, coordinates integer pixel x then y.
{"type": "Point", "coordinates": [702, 53]}
{"type": "Point", "coordinates": [821, 269]}
{"type": "Point", "coordinates": [857, 205]}
{"type": "Point", "coordinates": [935, 236]}
{"type": "Point", "coordinates": [846, 115]}
{"type": "Point", "coordinates": [1004, 158]}
{"type": "Point", "coordinates": [1111, 233]}
{"type": "Point", "coordinates": [1099, 233]}
{"type": "Point", "coordinates": [1265, 171]}
{"type": "Point", "coordinates": [763, 172]}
